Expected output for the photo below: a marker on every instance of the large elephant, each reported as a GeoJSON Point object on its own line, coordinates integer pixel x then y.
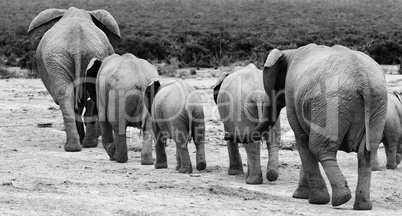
{"type": "Point", "coordinates": [392, 135]}
{"type": "Point", "coordinates": [66, 41]}
{"type": "Point", "coordinates": [336, 99]}
{"type": "Point", "coordinates": [243, 105]}
{"type": "Point", "coordinates": [117, 86]}
{"type": "Point", "coordinates": [177, 113]}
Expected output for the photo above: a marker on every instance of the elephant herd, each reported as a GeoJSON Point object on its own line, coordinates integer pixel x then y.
{"type": "Point", "coordinates": [335, 98]}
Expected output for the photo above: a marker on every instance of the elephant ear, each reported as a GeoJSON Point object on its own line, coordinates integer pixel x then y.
{"type": "Point", "coordinates": [274, 77]}
{"type": "Point", "coordinates": [90, 78]}
{"type": "Point", "coordinates": [272, 58]}
{"type": "Point", "coordinates": [42, 23]}
{"type": "Point", "coordinates": [274, 72]}
{"type": "Point", "coordinates": [150, 93]}
{"type": "Point", "coordinates": [105, 21]}
{"type": "Point", "coordinates": [218, 84]}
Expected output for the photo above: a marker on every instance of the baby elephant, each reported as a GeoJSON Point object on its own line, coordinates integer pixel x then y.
{"type": "Point", "coordinates": [392, 136]}
{"type": "Point", "coordinates": [177, 113]}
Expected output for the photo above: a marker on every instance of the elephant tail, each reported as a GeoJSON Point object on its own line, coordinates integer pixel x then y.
{"type": "Point", "coordinates": [79, 91]}
{"type": "Point", "coordinates": [367, 99]}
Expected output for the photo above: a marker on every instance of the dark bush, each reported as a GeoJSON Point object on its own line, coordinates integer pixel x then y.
{"type": "Point", "coordinates": [149, 49]}
{"type": "Point", "coordinates": [11, 61]}
{"type": "Point", "coordinates": [217, 44]}
{"type": "Point", "coordinates": [28, 61]}
{"type": "Point", "coordinates": [386, 52]}
{"type": "Point", "coordinates": [4, 73]}
{"type": "Point", "coordinates": [193, 53]}
{"type": "Point", "coordinates": [21, 30]}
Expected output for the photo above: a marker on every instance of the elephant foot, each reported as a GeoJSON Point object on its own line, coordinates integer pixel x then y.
{"type": "Point", "coordinates": [201, 165]}
{"type": "Point", "coordinates": [254, 178]}
{"type": "Point", "coordinates": [111, 150]}
{"type": "Point", "coordinates": [272, 175]}
{"type": "Point", "coordinates": [391, 166]}
{"type": "Point", "coordinates": [160, 165]}
{"type": "Point", "coordinates": [398, 159]}
{"type": "Point", "coordinates": [340, 196]}
{"type": "Point", "coordinates": [186, 169]}
{"type": "Point", "coordinates": [375, 167]}
{"type": "Point", "coordinates": [362, 204]}
{"type": "Point", "coordinates": [72, 146]}
{"type": "Point", "coordinates": [121, 158]}
{"type": "Point", "coordinates": [235, 171]}
{"type": "Point", "coordinates": [301, 193]}
{"type": "Point", "coordinates": [90, 143]}
{"type": "Point", "coordinates": [319, 197]}
{"type": "Point", "coordinates": [146, 159]}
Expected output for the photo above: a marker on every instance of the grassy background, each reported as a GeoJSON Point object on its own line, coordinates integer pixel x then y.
{"type": "Point", "coordinates": [205, 33]}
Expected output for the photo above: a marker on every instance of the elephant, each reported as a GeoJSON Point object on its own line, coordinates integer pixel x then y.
{"type": "Point", "coordinates": [392, 135]}
{"type": "Point", "coordinates": [177, 113]}
{"type": "Point", "coordinates": [336, 99]}
{"type": "Point", "coordinates": [242, 106]}
{"type": "Point", "coordinates": [65, 42]}
{"type": "Point", "coordinates": [117, 86]}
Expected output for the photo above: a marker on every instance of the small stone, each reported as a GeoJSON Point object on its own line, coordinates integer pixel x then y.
{"type": "Point", "coordinates": [7, 184]}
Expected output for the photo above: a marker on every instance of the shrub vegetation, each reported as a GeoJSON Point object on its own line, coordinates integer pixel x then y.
{"type": "Point", "coordinates": [209, 33]}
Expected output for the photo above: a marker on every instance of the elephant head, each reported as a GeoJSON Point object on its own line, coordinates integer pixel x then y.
{"type": "Point", "coordinates": [47, 18]}
{"type": "Point", "coordinates": [150, 93]}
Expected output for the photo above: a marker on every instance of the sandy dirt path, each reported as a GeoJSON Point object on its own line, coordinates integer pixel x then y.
{"type": "Point", "coordinates": [37, 177]}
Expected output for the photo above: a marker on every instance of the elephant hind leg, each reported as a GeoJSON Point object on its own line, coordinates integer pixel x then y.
{"type": "Point", "coordinates": [340, 189]}
{"type": "Point", "coordinates": [399, 152]}
{"type": "Point", "coordinates": [390, 146]}
{"type": "Point", "coordinates": [325, 151]}
{"type": "Point", "coordinates": [160, 149]}
{"type": "Point", "coordinates": [91, 123]}
{"type": "Point", "coordinates": [198, 134]}
{"type": "Point", "coordinates": [181, 140]}
{"type": "Point", "coordinates": [74, 128]}
{"type": "Point", "coordinates": [120, 141]}
{"type": "Point", "coordinates": [311, 183]}
{"type": "Point", "coordinates": [235, 162]}
{"type": "Point", "coordinates": [178, 160]}
{"type": "Point", "coordinates": [254, 173]}
{"type": "Point", "coordinates": [362, 197]}
{"type": "Point", "coordinates": [273, 149]}
{"type": "Point", "coordinates": [107, 137]}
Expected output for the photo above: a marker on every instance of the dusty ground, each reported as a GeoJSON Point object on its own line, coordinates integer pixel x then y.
{"type": "Point", "coordinates": [37, 177]}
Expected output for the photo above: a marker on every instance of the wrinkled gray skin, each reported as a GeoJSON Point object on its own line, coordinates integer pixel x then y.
{"type": "Point", "coordinates": [66, 41]}
{"type": "Point", "coordinates": [177, 113]}
{"type": "Point", "coordinates": [243, 105]}
{"type": "Point", "coordinates": [392, 135]}
{"type": "Point", "coordinates": [118, 93]}
{"type": "Point", "coordinates": [336, 99]}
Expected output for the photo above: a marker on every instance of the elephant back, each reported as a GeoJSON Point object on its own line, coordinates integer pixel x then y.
{"type": "Point", "coordinates": [244, 84]}
{"type": "Point", "coordinates": [101, 19]}
{"type": "Point", "coordinates": [237, 101]}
